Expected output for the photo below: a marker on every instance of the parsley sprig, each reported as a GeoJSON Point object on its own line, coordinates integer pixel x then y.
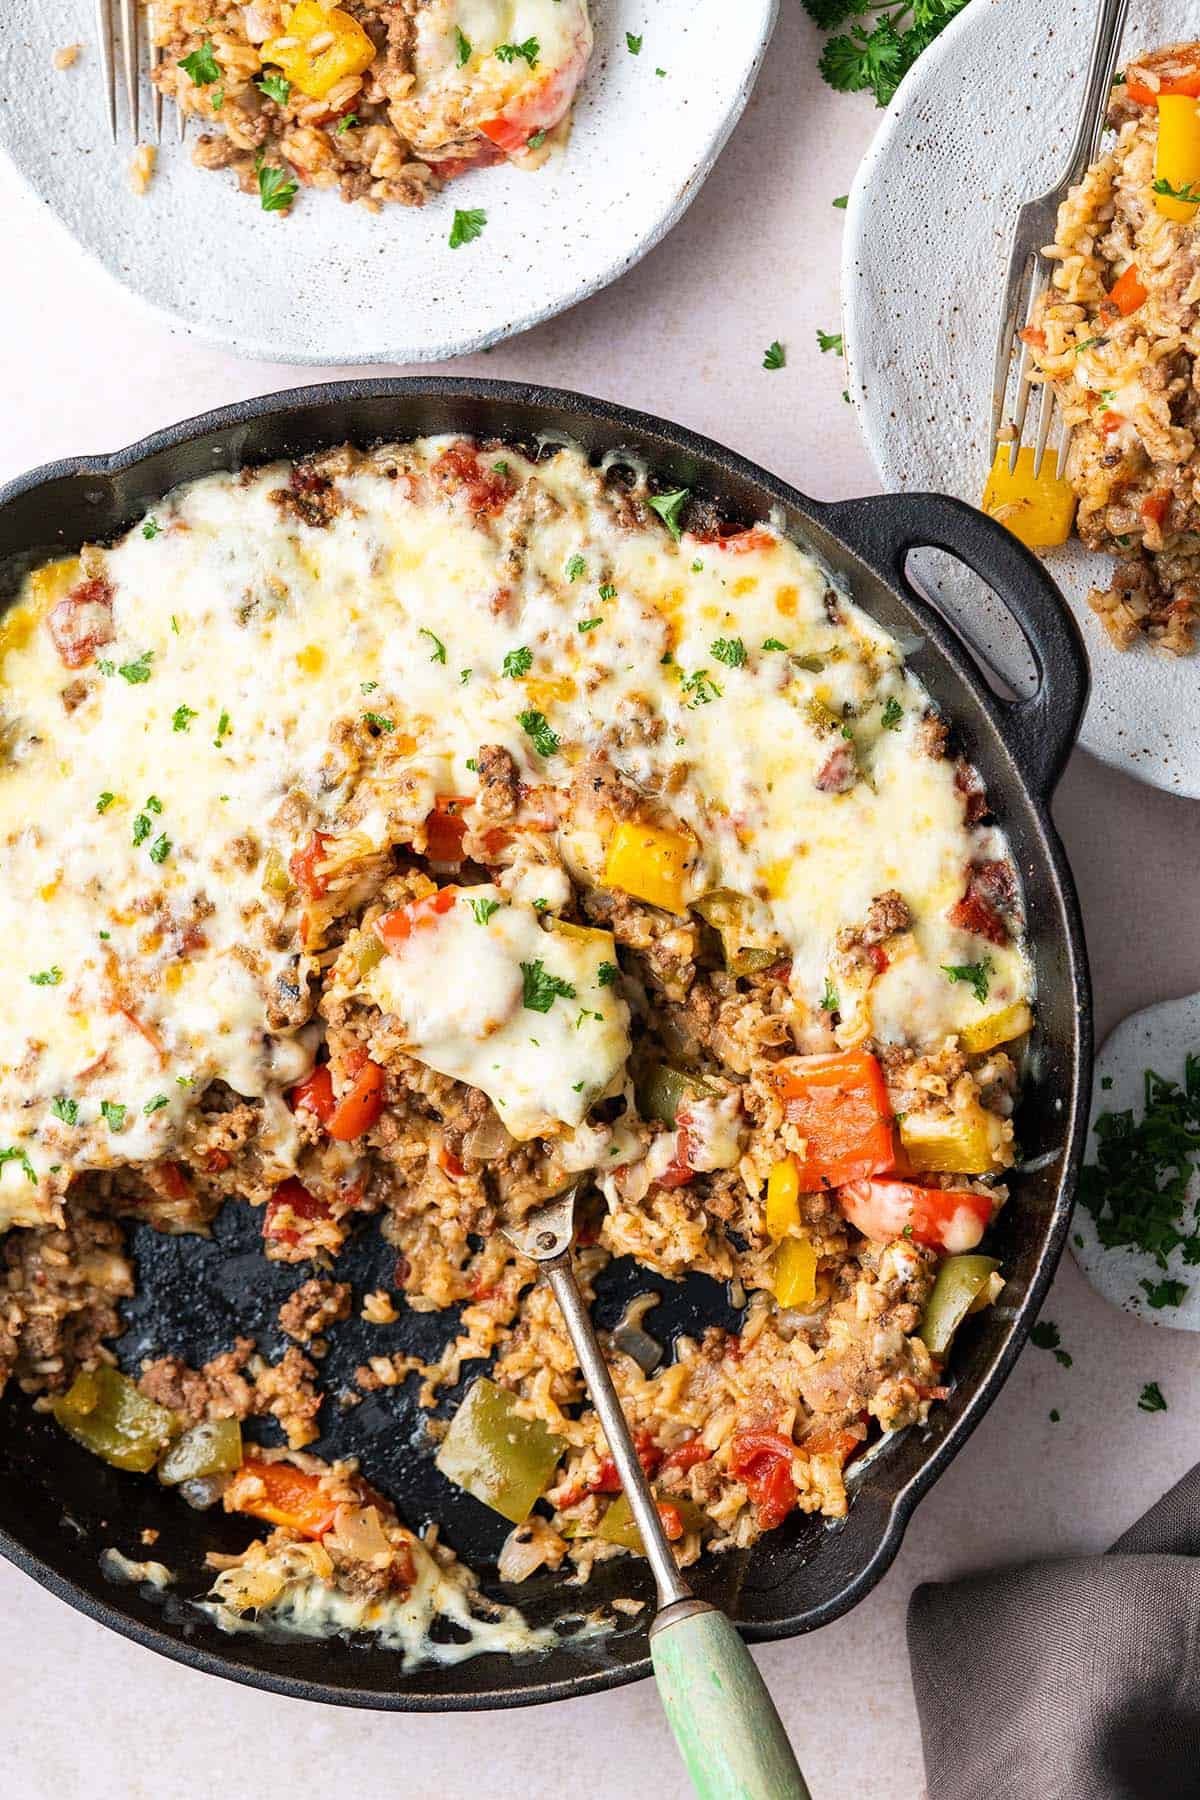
{"type": "Point", "coordinates": [877, 59]}
{"type": "Point", "coordinates": [974, 974]}
{"type": "Point", "coordinates": [466, 225]}
{"type": "Point", "coordinates": [540, 989]}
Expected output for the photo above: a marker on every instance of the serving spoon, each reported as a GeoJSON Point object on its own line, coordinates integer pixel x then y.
{"type": "Point", "coordinates": [716, 1702]}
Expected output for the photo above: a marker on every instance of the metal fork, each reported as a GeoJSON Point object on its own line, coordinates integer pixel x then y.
{"type": "Point", "coordinates": [123, 42]}
{"type": "Point", "coordinates": [1029, 270]}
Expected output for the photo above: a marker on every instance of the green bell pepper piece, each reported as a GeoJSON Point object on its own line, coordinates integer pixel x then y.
{"type": "Point", "coordinates": [501, 1458]}
{"type": "Point", "coordinates": [103, 1411]}
{"type": "Point", "coordinates": [661, 1091]}
{"type": "Point", "coordinates": [618, 1525]}
{"type": "Point", "coordinates": [960, 1281]}
{"type": "Point", "coordinates": [213, 1447]}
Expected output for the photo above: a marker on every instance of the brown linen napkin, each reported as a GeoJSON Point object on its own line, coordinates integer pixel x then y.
{"type": "Point", "coordinates": [1069, 1680]}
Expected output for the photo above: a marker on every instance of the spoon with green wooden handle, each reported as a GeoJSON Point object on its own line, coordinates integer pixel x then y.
{"type": "Point", "coordinates": [716, 1702]}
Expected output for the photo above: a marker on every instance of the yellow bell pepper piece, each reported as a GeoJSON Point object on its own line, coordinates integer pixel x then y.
{"type": "Point", "coordinates": [794, 1277]}
{"type": "Point", "coordinates": [971, 1142]}
{"type": "Point", "coordinates": [345, 49]}
{"type": "Point", "coordinates": [996, 1028]}
{"type": "Point", "coordinates": [783, 1198]}
{"type": "Point", "coordinates": [1177, 158]}
{"type": "Point", "coordinates": [1039, 510]}
{"type": "Point", "coordinates": [649, 862]}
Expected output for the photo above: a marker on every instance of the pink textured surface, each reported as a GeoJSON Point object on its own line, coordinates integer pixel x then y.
{"type": "Point", "coordinates": [756, 258]}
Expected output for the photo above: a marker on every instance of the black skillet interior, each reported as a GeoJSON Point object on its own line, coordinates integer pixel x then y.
{"type": "Point", "coordinates": [59, 1507]}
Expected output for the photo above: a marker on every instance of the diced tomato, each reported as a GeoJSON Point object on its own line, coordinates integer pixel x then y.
{"type": "Point", "coordinates": [359, 1107]}
{"type": "Point", "coordinates": [448, 1161]}
{"type": "Point", "coordinates": [303, 866]}
{"type": "Point", "coordinates": [949, 1219]}
{"type": "Point", "coordinates": [1034, 336]}
{"type": "Point", "coordinates": [990, 897]}
{"type": "Point", "coordinates": [839, 772]}
{"type": "Point", "coordinates": [540, 104]}
{"type": "Point", "coordinates": [395, 928]}
{"type": "Point", "coordinates": [481, 1289]}
{"type": "Point", "coordinates": [1155, 506]}
{"type": "Point", "coordinates": [606, 1479]}
{"type": "Point", "coordinates": [1128, 292]}
{"type": "Point", "coordinates": [878, 957]}
{"type": "Point", "coordinates": [445, 829]}
{"type": "Point", "coordinates": [458, 470]}
{"type": "Point", "coordinates": [969, 784]}
{"type": "Point", "coordinates": [82, 622]}
{"type": "Point", "coordinates": [217, 1161]}
{"type": "Point", "coordinates": [450, 167]}
{"type": "Point", "coordinates": [679, 1170]}
{"type": "Point", "coordinates": [291, 1498]}
{"type": "Point", "coordinates": [686, 1456]}
{"type": "Point", "coordinates": [741, 543]}
{"type": "Point", "coordinates": [762, 1462]}
{"type": "Point", "coordinates": [291, 1196]}
{"type": "Point", "coordinates": [1178, 72]}
{"type": "Point", "coordinates": [1111, 421]}
{"type": "Point", "coordinates": [314, 1094]}
{"type": "Point", "coordinates": [840, 1106]}
{"type": "Point", "coordinates": [672, 1520]}
{"type": "Point", "coordinates": [826, 1442]}
{"type": "Point", "coordinates": [173, 1180]}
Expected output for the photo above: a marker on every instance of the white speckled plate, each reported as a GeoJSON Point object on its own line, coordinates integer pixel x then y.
{"type": "Point", "coordinates": [336, 284]}
{"type": "Point", "coordinates": [1158, 1038]}
{"type": "Point", "coordinates": [983, 122]}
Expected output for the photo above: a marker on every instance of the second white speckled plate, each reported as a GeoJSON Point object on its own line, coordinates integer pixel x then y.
{"type": "Point", "coordinates": [983, 122]}
{"type": "Point", "coordinates": [335, 284]}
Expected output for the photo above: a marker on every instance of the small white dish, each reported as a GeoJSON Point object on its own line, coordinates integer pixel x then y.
{"type": "Point", "coordinates": [1158, 1038]}
{"type": "Point", "coordinates": [983, 122]}
{"type": "Point", "coordinates": [335, 284]}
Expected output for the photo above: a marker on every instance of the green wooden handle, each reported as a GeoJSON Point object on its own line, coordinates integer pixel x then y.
{"type": "Point", "coordinates": [717, 1704]}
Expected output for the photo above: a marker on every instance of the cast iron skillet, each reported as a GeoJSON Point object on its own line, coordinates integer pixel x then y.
{"type": "Point", "coordinates": [59, 1507]}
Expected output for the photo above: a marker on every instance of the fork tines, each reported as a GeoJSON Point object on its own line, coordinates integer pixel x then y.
{"type": "Point", "coordinates": [119, 35]}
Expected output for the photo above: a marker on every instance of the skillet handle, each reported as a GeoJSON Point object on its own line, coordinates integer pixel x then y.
{"type": "Point", "coordinates": [883, 528]}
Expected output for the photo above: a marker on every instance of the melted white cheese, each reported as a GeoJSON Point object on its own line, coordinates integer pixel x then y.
{"type": "Point", "coordinates": [266, 641]}
{"type": "Point", "coordinates": [487, 995]}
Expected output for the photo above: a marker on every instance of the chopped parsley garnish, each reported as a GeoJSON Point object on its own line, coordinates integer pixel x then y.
{"type": "Point", "coordinates": [1189, 194]}
{"type": "Point", "coordinates": [1045, 1336]}
{"type": "Point", "coordinates": [464, 675]}
{"type": "Point", "coordinates": [19, 1156]}
{"type": "Point", "coordinates": [344, 123]}
{"type": "Point", "coordinates": [1151, 1398]}
{"type": "Point", "coordinates": [218, 98]}
{"type": "Point", "coordinates": [463, 47]}
{"type": "Point", "coordinates": [773, 644]}
{"type": "Point", "coordinates": [438, 653]}
{"type": "Point", "coordinates": [829, 1000]}
{"type": "Point", "coordinates": [633, 44]}
{"type": "Point", "coordinates": [892, 714]}
{"type": "Point", "coordinates": [47, 977]}
{"type": "Point", "coordinates": [1164, 1293]}
{"type": "Point", "coordinates": [151, 528]}
{"type": "Point", "coordinates": [841, 202]}
{"type": "Point", "coordinates": [466, 226]}
{"type": "Point", "coordinates": [975, 974]}
{"type": "Point", "coordinates": [141, 829]}
{"type": "Point", "coordinates": [540, 990]}
{"type": "Point", "coordinates": [577, 1087]}
{"type": "Point", "coordinates": [157, 1104]}
{"type": "Point", "coordinates": [1089, 344]}
{"type": "Point", "coordinates": [160, 849]}
{"type": "Point", "coordinates": [657, 72]}
{"type": "Point", "coordinates": [65, 1109]}
{"type": "Point", "coordinates": [1054, 1415]}
{"type": "Point", "coordinates": [153, 804]}
{"type": "Point", "coordinates": [473, 765]}
{"type": "Point", "coordinates": [276, 87]}
{"type": "Point", "coordinates": [730, 651]}
{"type": "Point", "coordinates": [877, 60]}
{"type": "Point", "coordinates": [113, 1115]}
{"type": "Point", "coordinates": [540, 734]}
{"type": "Point", "coordinates": [829, 340]}
{"type": "Point", "coordinates": [201, 66]}
{"type": "Point", "coordinates": [588, 624]}
{"type": "Point", "coordinates": [585, 1013]}
{"type": "Point", "coordinates": [528, 52]}
{"type": "Point", "coordinates": [105, 667]}
{"type": "Point", "coordinates": [541, 906]}
{"type": "Point", "coordinates": [104, 801]}
{"type": "Point", "coordinates": [379, 722]}
{"type": "Point", "coordinates": [536, 141]}
{"type": "Point", "coordinates": [775, 356]}
{"type": "Point", "coordinates": [702, 688]}
{"type": "Point", "coordinates": [137, 671]}
{"type": "Point", "coordinates": [275, 190]}
{"type": "Point", "coordinates": [1137, 1188]}
{"type": "Point", "coordinates": [223, 729]}
{"type": "Point", "coordinates": [500, 468]}
{"type": "Point", "coordinates": [517, 662]}
{"type": "Point", "coordinates": [669, 508]}
{"type": "Point", "coordinates": [182, 717]}
{"type": "Point", "coordinates": [367, 687]}
{"type": "Point", "coordinates": [576, 568]}
{"type": "Point", "coordinates": [482, 910]}
{"type": "Point", "coordinates": [606, 974]}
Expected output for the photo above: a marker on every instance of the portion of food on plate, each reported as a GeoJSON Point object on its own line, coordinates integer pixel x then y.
{"type": "Point", "coordinates": [382, 99]}
{"type": "Point", "coordinates": [402, 832]}
{"type": "Point", "coordinates": [1115, 334]}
